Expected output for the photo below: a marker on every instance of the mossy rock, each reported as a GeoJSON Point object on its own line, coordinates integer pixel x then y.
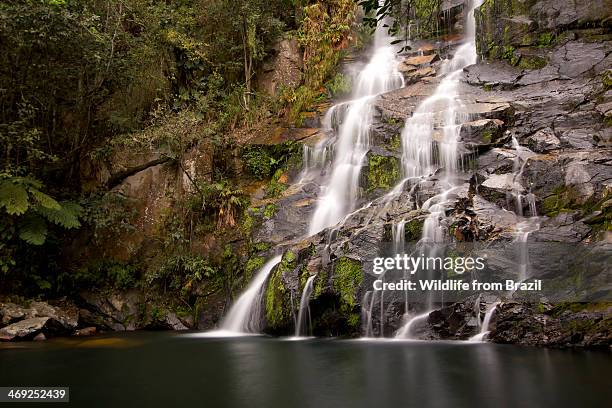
{"type": "Point", "coordinates": [383, 172]}
{"type": "Point", "coordinates": [278, 305]}
{"type": "Point", "coordinates": [347, 280]}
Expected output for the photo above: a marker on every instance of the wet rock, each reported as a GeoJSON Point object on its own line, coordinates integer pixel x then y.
{"type": "Point", "coordinates": [28, 328]}
{"type": "Point", "coordinates": [482, 132]}
{"type": "Point", "coordinates": [419, 60]}
{"type": "Point", "coordinates": [283, 68]}
{"type": "Point", "coordinates": [501, 189]}
{"type": "Point", "coordinates": [496, 161]}
{"type": "Point", "coordinates": [116, 311]}
{"type": "Point", "coordinates": [86, 331]}
{"type": "Point", "coordinates": [40, 337]}
{"type": "Point", "coordinates": [67, 314]}
{"type": "Point", "coordinates": [494, 74]}
{"type": "Point", "coordinates": [543, 141]}
{"type": "Point", "coordinates": [565, 227]}
{"type": "Point", "coordinates": [10, 313]}
{"type": "Point", "coordinates": [163, 320]}
{"type": "Point", "coordinates": [563, 325]}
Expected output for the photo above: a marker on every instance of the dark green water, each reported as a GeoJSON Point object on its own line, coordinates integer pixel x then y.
{"type": "Point", "coordinates": [172, 370]}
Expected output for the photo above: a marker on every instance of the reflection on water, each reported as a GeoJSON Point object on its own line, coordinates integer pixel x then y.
{"type": "Point", "coordinates": [167, 369]}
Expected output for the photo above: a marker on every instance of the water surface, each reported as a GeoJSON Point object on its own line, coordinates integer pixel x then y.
{"type": "Point", "coordinates": [169, 370]}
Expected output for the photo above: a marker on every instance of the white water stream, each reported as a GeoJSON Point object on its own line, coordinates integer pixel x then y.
{"type": "Point", "coordinates": [245, 314]}
{"type": "Point", "coordinates": [430, 142]}
{"type": "Point", "coordinates": [340, 193]}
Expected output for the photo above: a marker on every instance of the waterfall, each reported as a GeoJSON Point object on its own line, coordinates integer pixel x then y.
{"type": "Point", "coordinates": [246, 313]}
{"type": "Point", "coordinates": [528, 225]}
{"type": "Point", "coordinates": [304, 314]}
{"type": "Point", "coordinates": [406, 331]}
{"type": "Point", "coordinates": [340, 194]}
{"type": "Point", "coordinates": [430, 141]}
{"type": "Point", "coordinates": [484, 329]}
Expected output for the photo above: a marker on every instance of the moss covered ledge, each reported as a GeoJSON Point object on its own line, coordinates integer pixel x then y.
{"type": "Point", "coordinates": [383, 172]}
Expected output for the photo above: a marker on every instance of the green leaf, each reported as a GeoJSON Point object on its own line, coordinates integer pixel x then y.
{"type": "Point", "coordinates": [33, 230]}
{"type": "Point", "coordinates": [67, 216]}
{"type": "Point", "coordinates": [14, 198]}
{"type": "Point", "coordinates": [44, 199]}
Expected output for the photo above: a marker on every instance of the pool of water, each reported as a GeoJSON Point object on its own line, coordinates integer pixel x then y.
{"type": "Point", "coordinates": [161, 369]}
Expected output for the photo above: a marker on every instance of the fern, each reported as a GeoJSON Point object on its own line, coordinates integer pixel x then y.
{"type": "Point", "coordinates": [33, 229]}
{"type": "Point", "coordinates": [14, 198]}
{"type": "Point", "coordinates": [44, 200]}
{"type": "Point", "coordinates": [30, 209]}
{"type": "Point", "coordinates": [66, 216]}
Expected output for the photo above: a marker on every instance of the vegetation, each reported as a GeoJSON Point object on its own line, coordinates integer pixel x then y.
{"type": "Point", "coordinates": [85, 81]}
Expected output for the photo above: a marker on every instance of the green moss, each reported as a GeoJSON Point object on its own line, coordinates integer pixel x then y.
{"type": "Point", "coordinates": [395, 143]}
{"type": "Point", "coordinates": [487, 136]}
{"type": "Point", "coordinates": [319, 283]}
{"type": "Point", "coordinates": [576, 307]}
{"type": "Point", "coordinates": [488, 87]}
{"type": "Point", "coordinates": [413, 230]}
{"type": "Point", "coordinates": [532, 62]}
{"type": "Point", "coordinates": [546, 40]}
{"type": "Point", "coordinates": [278, 307]}
{"type": "Point", "coordinates": [252, 265]}
{"type": "Point", "coordinates": [606, 79]}
{"type": "Point", "coordinates": [383, 172]}
{"type": "Point", "coordinates": [277, 310]}
{"type": "Point", "coordinates": [561, 199]}
{"type": "Point", "coordinates": [348, 277]}
{"type": "Point", "coordinates": [269, 210]}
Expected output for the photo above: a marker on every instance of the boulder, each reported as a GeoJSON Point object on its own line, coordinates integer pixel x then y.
{"type": "Point", "coordinates": [562, 325]}
{"type": "Point", "coordinates": [543, 141]}
{"type": "Point", "coordinates": [28, 328]}
{"type": "Point", "coordinates": [10, 313]}
{"type": "Point", "coordinates": [482, 132]}
{"type": "Point", "coordinates": [117, 311]}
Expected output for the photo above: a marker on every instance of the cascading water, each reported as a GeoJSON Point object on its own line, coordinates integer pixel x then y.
{"type": "Point", "coordinates": [430, 140]}
{"type": "Point", "coordinates": [245, 315]}
{"type": "Point", "coordinates": [340, 195]}
{"type": "Point", "coordinates": [484, 329]}
{"type": "Point", "coordinates": [304, 312]}
{"type": "Point", "coordinates": [530, 223]}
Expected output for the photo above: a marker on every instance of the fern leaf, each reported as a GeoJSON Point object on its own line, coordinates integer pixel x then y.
{"type": "Point", "coordinates": [14, 198]}
{"type": "Point", "coordinates": [33, 230]}
{"type": "Point", "coordinates": [66, 216]}
{"type": "Point", "coordinates": [44, 199]}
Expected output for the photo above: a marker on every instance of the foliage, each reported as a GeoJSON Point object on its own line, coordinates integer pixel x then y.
{"type": "Point", "coordinates": [26, 213]}
{"type": "Point", "coordinates": [182, 272]}
{"type": "Point", "coordinates": [339, 85]}
{"type": "Point", "coordinates": [403, 15]}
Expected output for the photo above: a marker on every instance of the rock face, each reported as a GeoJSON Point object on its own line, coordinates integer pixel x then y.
{"type": "Point", "coordinates": [283, 69]}
{"type": "Point", "coordinates": [564, 325]}
{"type": "Point", "coordinates": [536, 142]}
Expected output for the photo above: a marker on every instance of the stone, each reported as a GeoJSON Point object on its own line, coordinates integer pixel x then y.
{"type": "Point", "coordinates": [116, 311]}
{"type": "Point", "coordinates": [86, 331]}
{"type": "Point", "coordinates": [420, 60]}
{"type": "Point", "coordinates": [282, 69]}
{"type": "Point", "coordinates": [10, 313]}
{"type": "Point", "coordinates": [544, 140]}
{"type": "Point", "coordinates": [40, 337]}
{"type": "Point", "coordinates": [29, 328]}
{"type": "Point", "coordinates": [481, 132]}
{"type": "Point", "coordinates": [66, 314]}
